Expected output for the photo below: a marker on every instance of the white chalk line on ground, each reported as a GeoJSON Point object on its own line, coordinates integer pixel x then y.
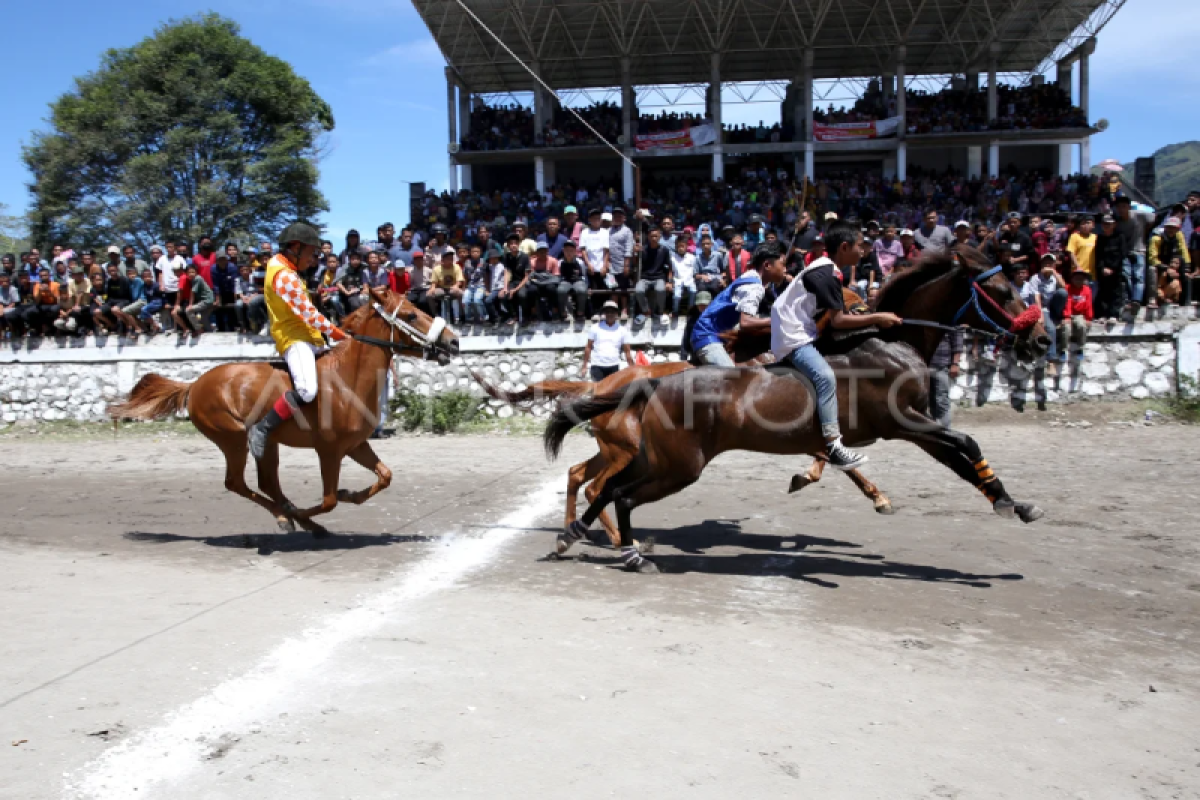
{"type": "Point", "coordinates": [152, 759]}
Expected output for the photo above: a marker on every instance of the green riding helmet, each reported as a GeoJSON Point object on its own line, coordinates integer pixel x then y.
{"type": "Point", "coordinates": [301, 233]}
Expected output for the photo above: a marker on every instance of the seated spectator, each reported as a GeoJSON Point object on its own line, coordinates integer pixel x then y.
{"type": "Point", "coordinates": [9, 300]}
{"type": "Point", "coordinates": [153, 294]}
{"type": "Point", "coordinates": [650, 293]}
{"type": "Point", "coordinates": [194, 316]}
{"type": "Point", "coordinates": [572, 280]}
{"type": "Point", "coordinates": [544, 280]}
{"type": "Point", "coordinates": [683, 277]}
{"type": "Point", "coordinates": [45, 299]}
{"type": "Point", "coordinates": [349, 283]}
{"type": "Point", "coordinates": [75, 315]}
{"type": "Point", "coordinates": [446, 288]}
{"type": "Point", "coordinates": [514, 297]}
{"type": "Point", "coordinates": [418, 281]}
{"type": "Point", "coordinates": [709, 262]}
{"type": "Point", "coordinates": [1072, 334]}
{"type": "Point", "coordinates": [475, 294]}
{"type": "Point", "coordinates": [1170, 283]}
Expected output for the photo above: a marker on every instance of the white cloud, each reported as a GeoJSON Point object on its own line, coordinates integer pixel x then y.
{"type": "Point", "coordinates": [422, 52]}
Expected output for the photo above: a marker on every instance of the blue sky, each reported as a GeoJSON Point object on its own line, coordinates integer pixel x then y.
{"type": "Point", "coordinates": [375, 63]}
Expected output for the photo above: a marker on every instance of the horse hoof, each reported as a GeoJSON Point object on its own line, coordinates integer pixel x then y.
{"type": "Point", "coordinates": [645, 566]}
{"type": "Point", "coordinates": [1005, 508]}
{"type": "Point", "coordinates": [798, 483]}
{"type": "Point", "coordinates": [646, 547]}
{"type": "Point", "coordinates": [884, 508]}
{"type": "Point", "coordinates": [1027, 512]}
{"type": "Point", "coordinates": [286, 524]}
{"type": "Point", "coordinates": [574, 532]}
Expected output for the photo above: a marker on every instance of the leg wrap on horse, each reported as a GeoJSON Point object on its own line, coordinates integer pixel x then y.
{"type": "Point", "coordinates": [988, 484]}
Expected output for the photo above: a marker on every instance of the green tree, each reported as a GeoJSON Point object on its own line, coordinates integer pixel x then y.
{"type": "Point", "coordinates": [14, 233]}
{"type": "Point", "coordinates": [193, 131]}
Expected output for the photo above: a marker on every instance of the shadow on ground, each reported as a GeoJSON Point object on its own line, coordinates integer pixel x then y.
{"type": "Point", "coordinates": [789, 557]}
{"type": "Point", "coordinates": [282, 543]}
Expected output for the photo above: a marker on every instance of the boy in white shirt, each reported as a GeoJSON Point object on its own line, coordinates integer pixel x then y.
{"type": "Point", "coordinates": [606, 341]}
{"type": "Point", "coordinates": [683, 276]}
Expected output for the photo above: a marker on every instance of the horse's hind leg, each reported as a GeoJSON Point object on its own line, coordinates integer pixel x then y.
{"type": "Point", "coordinates": [801, 481]}
{"type": "Point", "coordinates": [365, 456]}
{"type": "Point", "coordinates": [594, 471]}
{"type": "Point", "coordinates": [331, 470]}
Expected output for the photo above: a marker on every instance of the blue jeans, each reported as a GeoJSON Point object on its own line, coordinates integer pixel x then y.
{"type": "Point", "coordinates": [473, 300]}
{"type": "Point", "coordinates": [812, 365]}
{"type": "Point", "coordinates": [1135, 276]}
{"type": "Point", "coordinates": [714, 355]}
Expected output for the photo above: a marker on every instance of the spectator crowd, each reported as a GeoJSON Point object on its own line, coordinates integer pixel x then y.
{"type": "Point", "coordinates": [512, 127]}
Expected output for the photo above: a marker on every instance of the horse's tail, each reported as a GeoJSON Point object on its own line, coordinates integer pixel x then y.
{"type": "Point", "coordinates": [154, 397]}
{"type": "Point", "coordinates": [543, 390]}
{"type": "Point", "coordinates": [581, 409]}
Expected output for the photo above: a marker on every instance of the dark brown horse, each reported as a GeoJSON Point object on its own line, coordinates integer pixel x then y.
{"type": "Point", "coordinates": [690, 418]}
{"type": "Point", "coordinates": [225, 401]}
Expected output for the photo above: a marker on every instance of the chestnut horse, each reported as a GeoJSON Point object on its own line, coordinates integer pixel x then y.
{"type": "Point", "coordinates": [225, 401]}
{"type": "Point", "coordinates": [689, 418]}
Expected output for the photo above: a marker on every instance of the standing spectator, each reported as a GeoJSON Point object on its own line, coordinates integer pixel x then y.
{"type": "Point", "coordinates": [168, 266]}
{"type": "Point", "coordinates": [737, 259]}
{"type": "Point", "coordinates": [889, 251]}
{"type": "Point", "coordinates": [654, 264]}
{"type": "Point", "coordinates": [866, 274]}
{"type": "Point", "coordinates": [553, 237]}
{"type": "Point", "coordinates": [932, 236]}
{"type": "Point", "coordinates": [386, 244]}
{"type": "Point", "coordinates": [224, 278]}
{"type": "Point", "coordinates": [1133, 228]}
{"type": "Point", "coordinates": [606, 342]}
{"type": "Point", "coordinates": [243, 292]}
{"type": "Point", "coordinates": [572, 227]}
{"type": "Point", "coordinates": [1052, 297]}
{"type": "Point", "coordinates": [1164, 246]}
{"type": "Point", "coordinates": [620, 257]}
{"type": "Point", "coordinates": [1081, 248]}
{"type": "Point", "coordinates": [1012, 234]}
{"type": "Point", "coordinates": [528, 246]}
{"type": "Point", "coordinates": [944, 369]}
{"type": "Point", "coordinates": [199, 304]}
{"type": "Point", "coordinates": [446, 289]}
{"type": "Point", "coordinates": [205, 259]}
{"type": "Point", "coordinates": [572, 280]}
{"type": "Point", "coordinates": [401, 255]}
{"type": "Point", "coordinates": [683, 277]}
{"type": "Point", "coordinates": [667, 232]}
{"type": "Point", "coordinates": [349, 283]}
{"type": "Point", "coordinates": [1112, 251]}
{"type": "Point", "coordinates": [129, 256]}
{"type": "Point", "coordinates": [353, 245]}
{"type": "Point", "coordinates": [595, 252]}
{"type": "Point", "coordinates": [437, 245]}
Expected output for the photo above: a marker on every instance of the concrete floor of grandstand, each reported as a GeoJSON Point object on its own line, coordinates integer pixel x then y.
{"type": "Point", "coordinates": [793, 646]}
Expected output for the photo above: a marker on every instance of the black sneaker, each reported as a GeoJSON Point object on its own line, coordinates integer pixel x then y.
{"type": "Point", "coordinates": [843, 457]}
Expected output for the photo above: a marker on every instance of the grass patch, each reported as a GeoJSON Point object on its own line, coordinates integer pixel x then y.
{"type": "Point", "coordinates": [1185, 404]}
{"type": "Point", "coordinates": [442, 413]}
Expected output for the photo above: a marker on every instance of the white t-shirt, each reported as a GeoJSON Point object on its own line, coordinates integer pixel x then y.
{"type": "Point", "coordinates": [607, 343]}
{"type": "Point", "coordinates": [166, 268]}
{"type": "Point", "coordinates": [683, 269]}
{"type": "Point", "coordinates": [594, 243]}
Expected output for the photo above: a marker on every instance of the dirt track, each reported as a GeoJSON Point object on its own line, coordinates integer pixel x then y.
{"type": "Point", "coordinates": [794, 646]}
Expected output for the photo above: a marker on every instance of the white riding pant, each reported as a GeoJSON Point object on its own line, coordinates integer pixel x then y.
{"type": "Point", "coordinates": [301, 360]}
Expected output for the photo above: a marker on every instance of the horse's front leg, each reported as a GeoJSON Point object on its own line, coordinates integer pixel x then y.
{"type": "Point", "coordinates": [873, 493]}
{"type": "Point", "coordinates": [364, 456]}
{"type": "Point", "coordinates": [331, 469]}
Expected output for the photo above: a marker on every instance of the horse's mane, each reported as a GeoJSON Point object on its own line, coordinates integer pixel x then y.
{"type": "Point", "coordinates": [350, 325]}
{"type": "Point", "coordinates": [929, 267]}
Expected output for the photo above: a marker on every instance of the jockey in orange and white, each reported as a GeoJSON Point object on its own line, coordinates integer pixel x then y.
{"type": "Point", "coordinates": [296, 326]}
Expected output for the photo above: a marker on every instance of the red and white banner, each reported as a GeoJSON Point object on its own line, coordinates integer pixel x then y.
{"type": "Point", "coordinates": [695, 136]}
{"type": "Point", "coordinates": [848, 131]}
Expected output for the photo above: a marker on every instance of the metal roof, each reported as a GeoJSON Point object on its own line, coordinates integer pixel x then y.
{"type": "Point", "coordinates": [579, 43]}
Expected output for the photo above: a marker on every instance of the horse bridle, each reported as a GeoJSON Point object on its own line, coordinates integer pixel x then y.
{"type": "Point", "coordinates": [1012, 325]}
{"type": "Point", "coordinates": [424, 343]}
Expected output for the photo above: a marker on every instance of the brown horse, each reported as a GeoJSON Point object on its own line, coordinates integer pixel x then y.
{"type": "Point", "coordinates": [690, 418]}
{"type": "Point", "coordinates": [225, 401]}
{"type": "Point", "coordinates": [618, 435]}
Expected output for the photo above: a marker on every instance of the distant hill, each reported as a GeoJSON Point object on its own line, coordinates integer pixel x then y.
{"type": "Point", "coordinates": [1178, 170]}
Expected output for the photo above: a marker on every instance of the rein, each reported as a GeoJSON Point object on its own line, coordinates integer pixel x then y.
{"type": "Point", "coordinates": [421, 343]}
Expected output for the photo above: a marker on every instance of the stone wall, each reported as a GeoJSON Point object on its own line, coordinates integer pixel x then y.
{"type": "Point", "coordinates": [75, 380]}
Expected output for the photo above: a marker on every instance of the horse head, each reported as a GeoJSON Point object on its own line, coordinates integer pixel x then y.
{"type": "Point", "coordinates": [993, 304]}
{"type": "Point", "coordinates": [393, 321]}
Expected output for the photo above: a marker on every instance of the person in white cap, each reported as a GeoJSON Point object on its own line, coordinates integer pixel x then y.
{"type": "Point", "coordinates": [607, 340]}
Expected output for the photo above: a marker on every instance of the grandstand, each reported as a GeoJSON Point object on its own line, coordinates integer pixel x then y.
{"type": "Point", "coordinates": [887, 53]}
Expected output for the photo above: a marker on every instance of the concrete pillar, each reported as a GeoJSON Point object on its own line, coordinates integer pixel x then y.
{"type": "Point", "coordinates": [1066, 159]}
{"type": "Point", "coordinates": [888, 89]}
{"type": "Point", "coordinates": [1063, 77]}
{"type": "Point", "coordinates": [809, 167]}
{"type": "Point", "coordinates": [464, 111]}
{"type": "Point", "coordinates": [974, 161]}
{"type": "Point", "coordinates": [902, 160]}
{"type": "Point", "coordinates": [992, 97]}
{"type": "Point", "coordinates": [806, 92]}
{"type": "Point", "coordinates": [628, 128]}
{"type": "Point", "coordinates": [1084, 75]}
{"type": "Point", "coordinates": [543, 173]}
{"type": "Point", "coordinates": [901, 92]}
{"type": "Point", "coordinates": [993, 158]}
{"type": "Point", "coordinates": [889, 166]}
{"type": "Point", "coordinates": [465, 181]}
{"type": "Point", "coordinates": [543, 104]}
{"type": "Point", "coordinates": [452, 127]}
{"type": "Point", "coordinates": [718, 162]}
{"type": "Point", "coordinates": [973, 81]}
{"type": "Point", "coordinates": [1085, 154]}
